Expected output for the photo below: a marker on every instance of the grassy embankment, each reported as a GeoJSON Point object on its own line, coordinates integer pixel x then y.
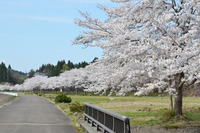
{"type": "Point", "coordinates": [5, 98]}
{"type": "Point", "coordinates": [140, 110]}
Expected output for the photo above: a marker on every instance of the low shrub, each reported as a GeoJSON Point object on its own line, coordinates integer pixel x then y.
{"type": "Point", "coordinates": [168, 114]}
{"type": "Point", "coordinates": [61, 98]}
{"type": "Point", "coordinates": [76, 107]}
{"type": "Point", "coordinates": [36, 93]}
{"type": "Point", "coordinates": [145, 109]}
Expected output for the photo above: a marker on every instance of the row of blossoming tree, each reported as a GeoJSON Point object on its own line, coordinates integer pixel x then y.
{"type": "Point", "coordinates": [147, 44]}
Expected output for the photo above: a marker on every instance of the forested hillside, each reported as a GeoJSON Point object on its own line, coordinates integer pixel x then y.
{"type": "Point", "coordinates": [61, 66]}
{"type": "Point", "coordinates": [7, 74]}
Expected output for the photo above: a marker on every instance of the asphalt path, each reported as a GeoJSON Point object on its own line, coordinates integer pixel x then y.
{"type": "Point", "coordinates": [32, 114]}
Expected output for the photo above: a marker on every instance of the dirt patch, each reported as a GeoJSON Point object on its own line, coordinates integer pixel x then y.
{"type": "Point", "coordinates": [5, 98]}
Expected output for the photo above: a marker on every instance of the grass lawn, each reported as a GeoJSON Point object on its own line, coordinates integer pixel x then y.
{"type": "Point", "coordinates": [140, 110]}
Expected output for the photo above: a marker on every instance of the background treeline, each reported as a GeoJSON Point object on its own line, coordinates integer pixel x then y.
{"type": "Point", "coordinates": [61, 66]}
{"type": "Point", "coordinates": [7, 74]}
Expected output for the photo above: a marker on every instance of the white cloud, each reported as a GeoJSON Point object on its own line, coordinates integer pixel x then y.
{"type": "Point", "coordinates": [50, 19]}
{"type": "Point", "coordinates": [89, 1]}
{"type": "Point", "coordinates": [38, 18]}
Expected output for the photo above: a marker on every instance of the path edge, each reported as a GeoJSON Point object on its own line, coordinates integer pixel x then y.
{"type": "Point", "coordinates": [14, 100]}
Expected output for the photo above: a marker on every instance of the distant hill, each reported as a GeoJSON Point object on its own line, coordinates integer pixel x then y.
{"type": "Point", "coordinates": [18, 76]}
{"type": "Point", "coordinates": [9, 75]}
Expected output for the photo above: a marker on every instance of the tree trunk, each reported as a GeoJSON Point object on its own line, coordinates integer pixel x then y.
{"type": "Point", "coordinates": [61, 90]}
{"type": "Point", "coordinates": [178, 102]}
{"type": "Point", "coordinates": [171, 102]}
{"type": "Point", "coordinates": [179, 94]}
{"type": "Point", "coordinates": [171, 97]}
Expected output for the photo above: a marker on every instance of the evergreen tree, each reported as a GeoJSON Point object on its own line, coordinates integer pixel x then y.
{"type": "Point", "coordinates": [31, 73]}
{"type": "Point", "coordinates": [64, 68]}
{"type": "Point", "coordinates": [70, 64]}
{"type": "Point", "coordinates": [9, 67]}
{"type": "Point", "coordinates": [9, 77]}
{"type": "Point", "coordinates": [59, 67]}
{"type": "Point", "coordinates": [3, 72]}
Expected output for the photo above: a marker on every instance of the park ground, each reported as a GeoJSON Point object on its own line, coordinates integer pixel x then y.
{"type": "Point", "coordinates": [145, 110]}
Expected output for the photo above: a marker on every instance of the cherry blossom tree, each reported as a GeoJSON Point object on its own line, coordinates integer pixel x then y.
{"type": "Point", "coordinates": [147, 39]}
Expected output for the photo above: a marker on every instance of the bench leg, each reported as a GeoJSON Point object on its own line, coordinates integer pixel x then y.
{"type": "Point", "coordinates": [85, 118]}
{"type": "Point", "coordinates": [93, 124]}
{"type": "Point", "coordinates": [98, 129]}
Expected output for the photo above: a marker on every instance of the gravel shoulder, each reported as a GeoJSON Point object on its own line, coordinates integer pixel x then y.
{"type": "Point", "coordinates": [5, 98]}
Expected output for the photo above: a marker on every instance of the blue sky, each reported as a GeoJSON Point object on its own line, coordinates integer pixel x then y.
{"type": "Point", "coordinates": [36, 32]}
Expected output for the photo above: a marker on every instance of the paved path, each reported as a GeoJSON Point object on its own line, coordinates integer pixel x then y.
{"type": "Point", "coordinates": [33, 114]}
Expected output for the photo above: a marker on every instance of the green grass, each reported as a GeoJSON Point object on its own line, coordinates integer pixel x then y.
{"type": "Point", "coordinates": [140, 110]}
{"type": "Point", "coordinates": [193, 116]}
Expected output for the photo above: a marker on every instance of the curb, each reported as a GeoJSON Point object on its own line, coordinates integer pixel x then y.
{"type": "Point", "coordinates": [9, 93]}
